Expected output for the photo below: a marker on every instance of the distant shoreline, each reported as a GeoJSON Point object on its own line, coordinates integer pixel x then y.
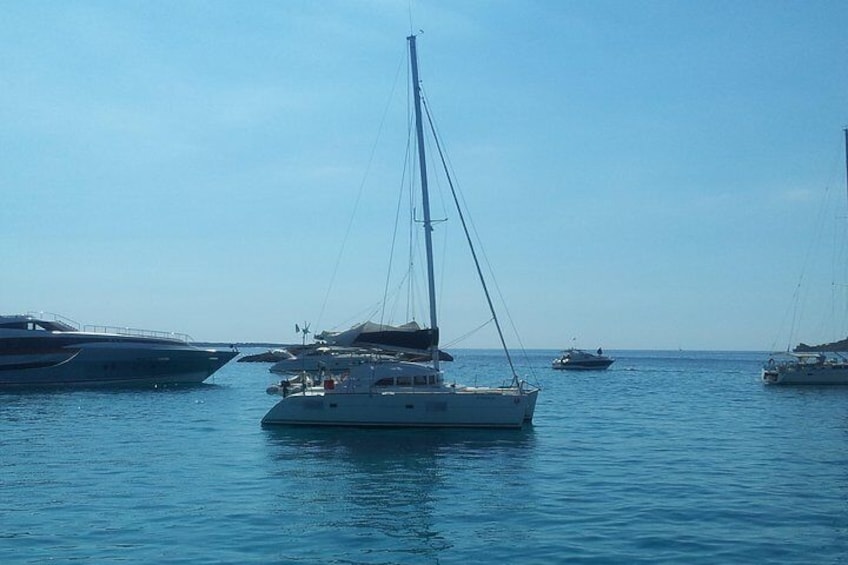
{"type": "Point", "coordinates": [241, 344]}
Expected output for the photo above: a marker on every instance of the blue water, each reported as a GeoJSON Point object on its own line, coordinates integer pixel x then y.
{"type": "Point", "coordinates": [666, 457]}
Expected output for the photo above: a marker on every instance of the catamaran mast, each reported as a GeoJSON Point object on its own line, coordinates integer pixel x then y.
{"type": "Point", "coordinates": [428, 226]}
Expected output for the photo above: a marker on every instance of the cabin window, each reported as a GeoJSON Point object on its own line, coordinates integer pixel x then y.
{"type": "Point", "coordinates": [436, 407]}
{"type": "Point", "coordinates": [385, 382]}
{"type": "Point", "coordinates": [433, 379]}
{"type": "Point", "coordinates": [404, 381]}
{"type": "Point", "coordinates": [420, 380]}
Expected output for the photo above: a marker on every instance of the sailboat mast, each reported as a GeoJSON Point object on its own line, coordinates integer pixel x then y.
{"type": "Point", "coordinates": [425, 196]}
{"type": "Point", "coordinates": [845, 131]}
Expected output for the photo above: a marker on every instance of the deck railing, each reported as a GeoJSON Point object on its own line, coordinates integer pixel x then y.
{"type": "Point", "coordinates": [50, 316]}
{"type": "Point", "coordinates": [136, 332]}
{"type": "Point", "coordinates": [111, 329]}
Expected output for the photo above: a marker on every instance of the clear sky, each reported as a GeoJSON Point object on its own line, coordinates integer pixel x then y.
{"type": "Point", "coordinates": [641, 174]}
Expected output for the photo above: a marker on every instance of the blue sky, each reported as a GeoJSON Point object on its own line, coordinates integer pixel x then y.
{"type": "Point", "coordinates": [641, 174]}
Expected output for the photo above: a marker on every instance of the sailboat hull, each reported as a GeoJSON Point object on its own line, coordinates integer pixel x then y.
{"type": "Point", "coordinates": [810, 375]}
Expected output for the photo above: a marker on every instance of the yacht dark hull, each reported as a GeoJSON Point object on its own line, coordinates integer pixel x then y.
{"type": "Point", "coordinates": [594, 365]}
{"type": "Point", "coordinates": [66, 359]}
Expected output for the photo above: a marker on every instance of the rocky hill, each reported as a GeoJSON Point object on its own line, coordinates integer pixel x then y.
{"type": "Point", "coordinates": [841, 345]}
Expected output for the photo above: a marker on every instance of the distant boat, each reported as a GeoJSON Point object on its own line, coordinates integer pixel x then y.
{"type": "Point", "coordinates": [270, 356]}
{"type": "Point", "coordinates": [400, 393]}
{"type": "Point", "coordinates": [50, 351]}
{"type": "Point", "coordinates": [580, 360]}
{"type": "Point", "coordinates": [820, 365]}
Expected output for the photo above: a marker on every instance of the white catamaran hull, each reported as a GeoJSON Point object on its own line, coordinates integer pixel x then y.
{"type": "Point", "coordinates": [463, 408]}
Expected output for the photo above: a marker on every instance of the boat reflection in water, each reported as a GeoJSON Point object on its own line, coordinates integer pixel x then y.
{"type": "Point", "coordinates": [377, 479]}
{"type": "Point", "coordinates": [385, 450]}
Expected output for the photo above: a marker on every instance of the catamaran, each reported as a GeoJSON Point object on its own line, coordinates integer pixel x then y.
{"type": "Point", "coordinates": [393, 393]}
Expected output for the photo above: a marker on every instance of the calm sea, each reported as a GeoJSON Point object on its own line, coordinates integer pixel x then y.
{"type": "Point", "coordinates": [675, 457]}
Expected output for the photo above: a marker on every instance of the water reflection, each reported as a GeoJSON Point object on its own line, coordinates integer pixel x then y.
{"type": "Point", "coordinates": [24, 392]}
{"type": "Point", "coordinates": [87, 408]}
{"type": "Point", "coordinates": [363, 442]}
{"type": "Point", "coordinates": [391, 491]}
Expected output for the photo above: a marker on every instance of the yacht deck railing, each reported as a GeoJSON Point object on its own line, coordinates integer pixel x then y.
{"type": "Point", "coordinates": [50, 316]}
{"type": "Point", "coordinates": [136, 332]}
{"type": "Point", "coordinates": [119, 330]}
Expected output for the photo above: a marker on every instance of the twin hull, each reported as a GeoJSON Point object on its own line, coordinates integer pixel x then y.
{"type": "Point", "coordinates": [461, 408]}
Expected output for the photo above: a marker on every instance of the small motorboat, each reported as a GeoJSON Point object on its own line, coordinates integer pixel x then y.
{"type": "Point", "coordinates": [580, 360]}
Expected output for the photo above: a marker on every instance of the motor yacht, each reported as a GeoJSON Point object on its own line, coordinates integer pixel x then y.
{"type": "Point", "coordinates": [38, 350]}
{"type": "Point", "coordinates": [580, 360]}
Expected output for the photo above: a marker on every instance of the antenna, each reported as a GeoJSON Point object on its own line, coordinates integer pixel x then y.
{"type": "Point", "coordinates": [302, 330]}
{"type": "Point", "coordinates": [845, 130]}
